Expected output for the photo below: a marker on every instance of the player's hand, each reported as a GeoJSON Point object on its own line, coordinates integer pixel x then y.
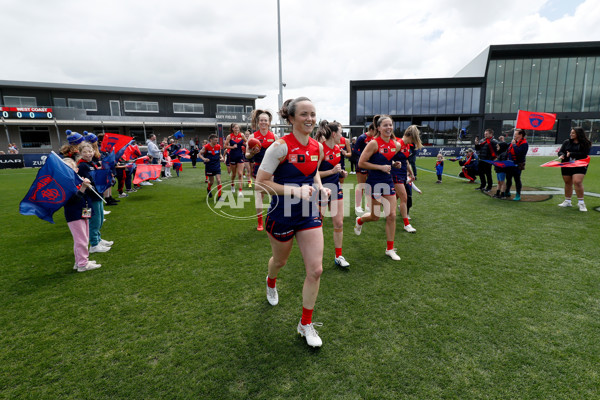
{"type": "Point", "coordinates": [325, 193]}
{"type": "Point", "coordinates": [397, 164]}
{"type": "Point", "coordinates": [304, 192]}
{"type": "Point", "coordinates": [385, 168]}
{"type": "Point", "coordinates": [337, 169]}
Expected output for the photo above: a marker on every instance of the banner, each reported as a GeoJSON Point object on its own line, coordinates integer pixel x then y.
{"type": "Point", "coordinates": [537, 121]}
{"type": "Point", "coordinates": [102, 179]}
{"type": "Point", "coordinates": [11, 161]}
{"type": "Point", "coordinates": [53, 186]}
{"type": "Point", "coordinates": [114, 141]}
{"type": "Point", "coordinates": [145, 172]}
{"type": "Point", "coordinates": [569, 164]}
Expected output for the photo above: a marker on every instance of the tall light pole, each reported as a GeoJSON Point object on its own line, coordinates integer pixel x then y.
{"type": "Point", "coordinates": [280, 74]}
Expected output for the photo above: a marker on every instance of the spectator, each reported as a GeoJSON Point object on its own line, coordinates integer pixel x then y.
{"type": "Point", "coordinates": [487, 151]}
{"type": "Point", "coordinates": [577, 147]}
{"type": "Point", "coordinates": [517, 153]}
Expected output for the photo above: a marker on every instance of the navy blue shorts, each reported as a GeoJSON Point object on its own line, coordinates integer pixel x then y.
{"type": "Point", "coordinates": [380, 189]}
{"type": "Point", "coordinates": [238, 159]}
{"type": "Point", "coordinates": [213, 171]}
{"type": "Point", "coordinates": [399, 178]}
{"type": "Point", "coordinates": [283, 232]}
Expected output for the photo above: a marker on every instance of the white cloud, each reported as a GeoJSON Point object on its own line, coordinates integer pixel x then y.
{"type": "Point", "coordinates": [231, 46]}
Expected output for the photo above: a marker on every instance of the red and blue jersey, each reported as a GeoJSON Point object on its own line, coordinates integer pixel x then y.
{"type": "Point", "coordinates": [299, 167]}
{"type": "Point", "coordinates": [384, 156]}
{"type": "Point", "coordinates": [361, 143]}
{"type": "Point", "coordinates": [332, 157]}
{"type": "Point", "coordinates": [236, 154]}
{"type": "Point", "coordinates": [213, 153]}
{"type": "Point", "coordinates": [265, 141]}
{"type": "Point", "coordinates": [402, 156]}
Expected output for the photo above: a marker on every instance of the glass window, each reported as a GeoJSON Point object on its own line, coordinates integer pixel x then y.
{"type": "Point", "coordinates": [568, 101]}
{"type": "Point", "coordinates": [408, 102]}
{"type": "Point", "coordinates": [595, 98]}
{"type": "Point", "coordinates": [588, 80]}
{"type": "Point", "coordinates": [552, 85]}
{"type": "Point", "coordinates": [425, 109]}
{"type": "Point", "coordinates": [385, 109]}
{"type": "Point", "coordinates": [563, 64]}
{"type": "Point", "coordinates": [392, 102]}
{"type": "Point", "coordinates": [188, 108]}
{"type": "Point", "coordinates": [19, 101]}
{"type": "Point", "coordinates": [533, 84]}
{"type": "Point", "coordinates": [516, 86]}
{"type": "Point", "coordinates": [83, 104]}
{"type": "Point", "coordinates": [249, 109]}
{"type": "Point", "coordinates": [441, 104]}
{"type": "Point", "coordinates": [458, 100]}
{"type": "Point", "coordinates": [360, 103]}
{"type": "Point", "coordinates": [499, 85]}
{"type": "Point", "coordinates": [368, 102]}
{"type": "Point", "coordinates": [417, 101]}
{"type": "Point", "coordinates": [466, 103]}
{"type": "Point", "coordinates": [450, 93]}
{"type": "Point", "coordinates": [475, 101]}
{"type": "Point", "coordinates": [140, 106]}
{"type": "Point", "coordinates": [543, 84]}
{"type": "Point", "coordinates": [525, 79]}
{"type": "Point", "coordinates": [60, 102]}
{"type": "Point", "coordinates": [35, 137]}
{"type": "Point", "coordinates": [489, 87]}
{"type": "Point", "coordinates": [433, 99]}
{"type": "Point", "coordinates": [400, 102]}
{"type": "Point", "coordinates": [508, 86]}
{"type": "Point", "coordinates": [578, 101]}
{"type": "Point", "coordinates": [228, 108]}
{"type": "Point", "coordinates": [376, 102]}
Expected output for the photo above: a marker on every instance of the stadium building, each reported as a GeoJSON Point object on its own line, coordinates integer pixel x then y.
{"type": "Point", "coordinates": [36, 115]}
{"type": "Point", "coordinates": [561, 78]}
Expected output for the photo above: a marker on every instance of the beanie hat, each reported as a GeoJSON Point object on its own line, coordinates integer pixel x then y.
{"type": "Point", "coordinates": [74, 138]}
{"type": "Point", "coordinates": [90, 137]}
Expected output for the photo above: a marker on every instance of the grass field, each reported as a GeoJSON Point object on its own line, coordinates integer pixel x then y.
{"type": "Point", "coordinates": [492, 299]}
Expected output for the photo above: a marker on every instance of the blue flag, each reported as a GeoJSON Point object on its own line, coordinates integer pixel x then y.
{"type": "Point", "coordinates": [53, 186]}
{"type": "Point", "coordinates": [501, 164]}
{"type": "Point", "coordinates": [108, 162]}
{"type": "Point", "coordinates": [178, 135]}
{"type": "Point", "coordinates": [102, 179]}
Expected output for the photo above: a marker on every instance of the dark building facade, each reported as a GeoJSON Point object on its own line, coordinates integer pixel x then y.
{"type": "Point", "coordinates": [561, 78]}
{"type": "Point", "coordinates": [36, 115]}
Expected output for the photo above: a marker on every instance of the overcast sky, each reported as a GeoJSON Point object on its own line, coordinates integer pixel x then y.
{"type": "Point", "coordinates": [231, 46]}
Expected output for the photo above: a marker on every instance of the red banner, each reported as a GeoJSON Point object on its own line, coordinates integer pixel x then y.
{"type": "Point", "coordinates": [537, 121]}
{"type": "Point", "coordinates": [569, 164]}
{"type": "Point", "coordinates": [114, 141]}
{"type": "Point", "coordinates": [145, 172]}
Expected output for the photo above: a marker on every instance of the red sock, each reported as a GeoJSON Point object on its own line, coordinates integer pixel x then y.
{"type": "Point", "coordinates": [306, 316]}
{"type": "Point", "coordinates": [390, 245]}
{"type": "Point", "coordinates": [338, 252]}
{"type": "Point", "coordinates": [406, 221]}
{"type": "Point", "coordinates": [359, 221]}
{"type": "Point", "coordinates": [260, 221]}
{"type": "Point", "coordinates": [209, 186]}
{"type": "Point", "coordinates": [271, 282]}
{"type": "Point", "coordinates": [219, 187]}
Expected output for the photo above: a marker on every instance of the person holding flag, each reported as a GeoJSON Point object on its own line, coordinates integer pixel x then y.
{"type": "Point", "coordinates": [86, 166]}
{"type": "Point", "coordinates": [577, 147]}
{"type": "Point", "coordinates": [517, 153]}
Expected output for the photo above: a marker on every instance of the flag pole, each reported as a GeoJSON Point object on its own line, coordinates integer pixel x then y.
{"type": "Point", "coordinates": [90, 188]}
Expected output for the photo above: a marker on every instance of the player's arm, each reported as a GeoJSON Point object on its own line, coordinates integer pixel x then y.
{"type": "Point", "coordinates": [367, 154]}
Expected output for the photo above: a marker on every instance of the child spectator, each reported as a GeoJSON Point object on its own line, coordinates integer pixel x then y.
{"type": "Point", "coordinates": [77, 214]}
{"type": "Point", "coordinates": [439, 167]}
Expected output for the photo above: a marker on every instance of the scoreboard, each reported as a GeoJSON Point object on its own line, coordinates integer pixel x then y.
{"type": "Point", "coordinates": [26, 112]}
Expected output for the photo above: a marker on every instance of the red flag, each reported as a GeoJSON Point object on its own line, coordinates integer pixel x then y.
{"type": "Point", "coordinates": [114, 141]}
{"type": "Point", "coordinates": [143, 160]}
{"type": "Point", "coordinates": [145, 172]}
{"type": "Point", "coordinates": [537, 121]}
{"type": "Point", "coordinates": [569, 164]}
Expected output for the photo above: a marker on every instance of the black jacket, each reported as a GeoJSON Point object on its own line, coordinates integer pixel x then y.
{"type": "Point", "coordinates": [578, 151]}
